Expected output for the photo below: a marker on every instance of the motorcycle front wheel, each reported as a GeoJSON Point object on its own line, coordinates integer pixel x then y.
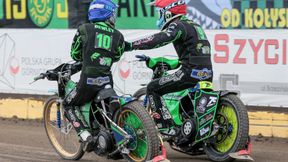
{"type": "Point", "coordinates": [60, 132]}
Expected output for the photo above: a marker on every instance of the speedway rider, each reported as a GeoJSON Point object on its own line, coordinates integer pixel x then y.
{"type": "Point", "coordinates": [97, 45]}
{"type": "Point", "coordinates": [192, 47]}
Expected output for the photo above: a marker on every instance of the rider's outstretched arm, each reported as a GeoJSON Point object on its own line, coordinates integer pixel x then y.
{"type": "Point", "coordinates": [172, 33]}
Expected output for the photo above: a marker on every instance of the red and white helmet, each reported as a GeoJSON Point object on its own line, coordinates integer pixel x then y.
{"type": "Point", "coordinates": [169, 10]}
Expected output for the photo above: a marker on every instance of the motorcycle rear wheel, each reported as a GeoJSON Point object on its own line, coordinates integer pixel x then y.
{"type": "Point", "coordinates": [135, 120]}
{"type": "Point", "coordinates": [232, 114]}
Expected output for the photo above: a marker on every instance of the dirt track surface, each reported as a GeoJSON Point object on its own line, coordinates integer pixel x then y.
{"type": "Point", "coordinates": [26, 141]}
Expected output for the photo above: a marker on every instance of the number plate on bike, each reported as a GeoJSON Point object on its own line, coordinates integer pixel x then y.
{"type": "Point", "coordinates": [205, 110]}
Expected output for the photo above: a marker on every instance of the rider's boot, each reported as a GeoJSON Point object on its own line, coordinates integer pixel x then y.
{"type": "Point", "coordinates": [160, 113]}
{"type": "Point", "coordinates": [81, 128]}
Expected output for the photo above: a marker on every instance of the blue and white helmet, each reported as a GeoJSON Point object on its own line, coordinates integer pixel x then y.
{"type": "Point", "coordinates": [102, 10]}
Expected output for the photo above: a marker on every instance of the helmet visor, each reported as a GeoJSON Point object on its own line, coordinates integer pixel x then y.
{"type": "Point", "coordinates": [161, 17]}
{"type": "Point", "coordinates": [160, 12]}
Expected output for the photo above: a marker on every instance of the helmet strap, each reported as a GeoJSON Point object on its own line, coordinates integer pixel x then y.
{"type": "Point", "coordinates": [110, 22]}
{"type": "Point", "coordinates": [168, 21]}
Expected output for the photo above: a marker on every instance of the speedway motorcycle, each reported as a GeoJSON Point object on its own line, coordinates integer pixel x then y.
{"type": "Point", "coordinates": [208, 122]}
{"type": "Point", "coordinates": [123, 130]}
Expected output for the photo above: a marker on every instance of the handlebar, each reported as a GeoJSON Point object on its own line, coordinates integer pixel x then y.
{"type": "Point", "coordinates": [41, 76]}
{"type": "Point", "coordinates": [54, 74]}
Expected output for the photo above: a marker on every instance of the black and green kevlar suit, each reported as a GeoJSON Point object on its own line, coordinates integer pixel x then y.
{"type": "Point", "coordinates": [97, 46]}
{"type": "Point", "coordinates": [194, 52]}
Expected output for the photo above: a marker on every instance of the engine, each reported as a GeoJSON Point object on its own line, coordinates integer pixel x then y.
{"type": "Point", "coordinates": [104, 143]}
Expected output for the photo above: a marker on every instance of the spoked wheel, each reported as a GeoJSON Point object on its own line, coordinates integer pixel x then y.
{"type": "Point", "coordinates": [60, 132]}
{"type": "Point", "coordinates": [144, 144]}
{"type": "Point", "coordinates": [232, 136]}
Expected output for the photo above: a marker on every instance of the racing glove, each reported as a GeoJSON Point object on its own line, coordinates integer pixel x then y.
{"type": "Point", "coordinates": [143, 57]}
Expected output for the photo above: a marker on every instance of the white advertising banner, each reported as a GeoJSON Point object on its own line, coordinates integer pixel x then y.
{"type": "Point", "coordinates": [253, 62]}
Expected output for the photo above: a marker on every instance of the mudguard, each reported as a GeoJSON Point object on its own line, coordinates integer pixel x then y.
{"type": "Point", "coordinates": [226, 92]}
{"type": "Point", "coordinates": [124, 100]}
{"type": "Point", "coordinates": [171, 63]}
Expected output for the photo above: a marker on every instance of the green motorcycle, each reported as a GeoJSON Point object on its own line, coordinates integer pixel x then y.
{"type": "Point", "coordinates": [124, 129]}
{"type": "Point", "coordinates": [208, 122]}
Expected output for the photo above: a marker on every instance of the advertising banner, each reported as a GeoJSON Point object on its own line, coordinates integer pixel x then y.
{"type": "Point", "coordinates": [132, 14]}
{"type": "Point", "coordinates": [24, 54]}
{"type": "Point", "coordinates": [243, 61]}
{"type": "Point", "coordinates": [253, 62]}
{"type": "Point", "coordinates": [239, 14]}
{"type": "Point", "coordinates": [34, 14]}
{"type": "Point", "coordinates": [138, 14]}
